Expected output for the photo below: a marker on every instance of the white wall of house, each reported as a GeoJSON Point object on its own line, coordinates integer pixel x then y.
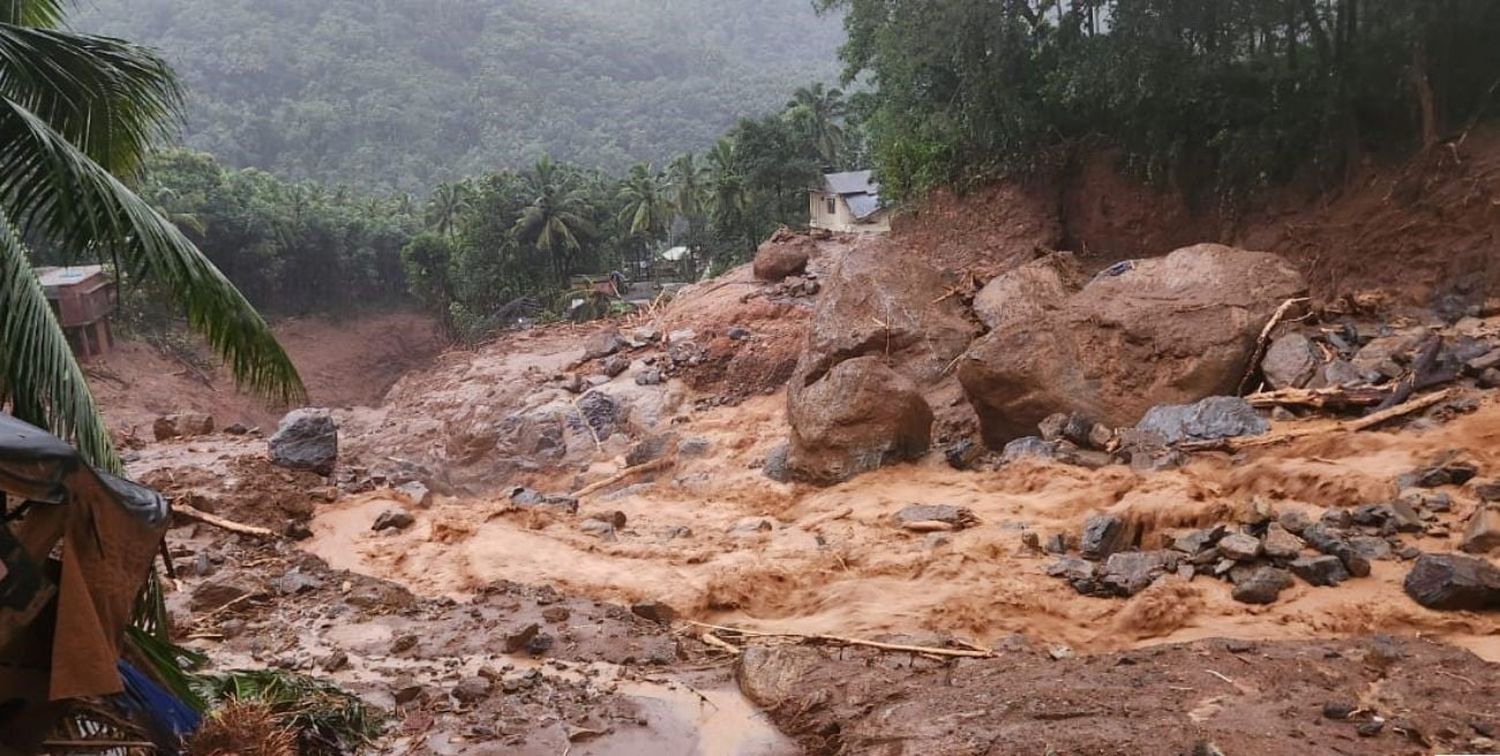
{"type": "Point", "coordinates": [830, 212]}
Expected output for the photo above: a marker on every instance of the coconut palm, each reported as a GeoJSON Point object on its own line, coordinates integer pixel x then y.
{"type": "Point", "coordinates": [77, 114]}
{"type": "Point", "coordinates": [648, 209]}
{"type": "Point", "coordinates": [817, 110]}
{"type": "Point", "coordinates": [557, 220]}
{"type": "Point", "coordinates": [449, 202]}
{"type": "Point", "coordinates": [688, 176]}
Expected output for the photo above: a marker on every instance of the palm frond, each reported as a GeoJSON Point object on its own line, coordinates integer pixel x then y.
{"type": "Point", "coordinates": [111, 99]}
{"type": "Point", "coordinates": [38, 373]}
{"type": "Point", "coordinates": [37, 13]}
{"type": "Point", "coordinates": [51, 189]}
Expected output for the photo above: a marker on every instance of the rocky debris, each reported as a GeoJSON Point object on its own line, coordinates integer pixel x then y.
{"type": "Point", "coordinates": [1209, 419]}
{"type": "Point", "coordinates": [1449, 469]}
{"type": "Point", "coordinates": [860, 415]}
{"type": "Point", "coordinates": [778, 258]}
{"type": "Point", "coordinates": [1454, 582]}
{"type": "Point", "coordinates": [1290, 362]}
{"type": "Point", "coordinates": [1482, 534]}
{"type": "Point", "coordinates": [1200, 541]}
{"type": "Point", "coordinates": [1327, 541]}
{"type": "Point", "coordinates": [694, 446]}
{"type": "Point", "coordinates": [957, 518]}
{"type": "Point", "coordinates": [1319, 570]}
{"type": "Point", "coordinates": [654, 611]}
{"type": "Point", "coordinates": [1240, 547]}
{"type": "Point", "coordinates": [737, 333]}
{"type": "Point", "coordinates": [604, 530]}
{"type": "Point", "coordinates": [749, 526]}
{"type": "Point", "coordinates": [1028, 446]}
{"type": "Point", "coordinates": [775, 467]}
{"type": "Point", "coordinates": [236, 429]}
{"type": "Point", "coordinates": [651, 448]}
{"type": "Point", "coordinates": [646, 334]}
{"type": "Point", "coordinates": [415, 493]}
{"type": "Point", "coordinates": [182, 424]}
{"type": "Point", "coordinates": [1078, 572]}
{"type": "Point", "coordinates": [1262, 586]}
{"type": "Point", "coordinates": [1103, 534]}
{"type": "Point", "coordinates": [603, 343]}
{"type": "Point", "coordinates": [1280, 544]}
{"type": "Point", "coordinates": [398, 519]}
{"type": "Point", "coordinates": [521, 496]}
{"type": "Point", "coordinates": [519, 638]}
{"type": "Point", "coordinates": [601, 411]}
{"type": "Point", "coordinates": [1167, 330]}
{"type": "Point", "coordinates": [306, 439]}
{"type": "Point", "coordinates": [1127, 573]}
{"type": "Point", "coordinates": [217, 594]}
{"type": "Point", "coordinates": [614, 365]}
{"type": "Point", "coordinates": [651, 377]}
{"type": "Point", "coordinates": [295, 583]}
{"type": "Point", "coordinates": [963, 454]}
{"type": "Point", "coordinates": [471, 690]}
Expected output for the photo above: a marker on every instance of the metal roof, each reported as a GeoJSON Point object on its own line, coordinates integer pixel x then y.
{"type": "Point", "coordinates": [56, 278]}
{"type": "Point", "coordinates": [852, 182]}
{"type": "Point", "coordinates": [863, 205]}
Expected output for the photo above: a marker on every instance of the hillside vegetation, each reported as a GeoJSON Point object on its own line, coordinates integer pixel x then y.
{"type": "Point", "coordinates": [398, 95]}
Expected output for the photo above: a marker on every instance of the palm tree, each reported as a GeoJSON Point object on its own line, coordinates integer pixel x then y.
{"type": "Point", "coordinates": [727, 196]}
{"type": "Point", "coordinates": [77, 113]}
{"type": "Point", "coordinates": [556, 222]}
{"type": "Point", "coordinates": [449, 202]}
{"type": "Point", "coordinates": [687, 177]}
{"type": "Point", "coordinates": [817, 111]}
{"type": "Point", "coordinates": [648, 210]}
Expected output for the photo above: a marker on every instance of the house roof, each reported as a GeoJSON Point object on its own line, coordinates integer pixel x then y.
{"type": "Point", "coordinates": [54, 278]}
{"type": "Point", "coordinates": [851, 182]}
{"type": "Point", "coordinates": [863, 205]}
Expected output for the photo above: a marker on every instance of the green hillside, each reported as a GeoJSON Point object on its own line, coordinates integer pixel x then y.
{"type": "Point", "coordinates": [401, 94]}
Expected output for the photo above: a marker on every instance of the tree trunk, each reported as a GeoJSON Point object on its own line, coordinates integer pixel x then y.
{"type": "Point", "coordinates": [1425, 99]}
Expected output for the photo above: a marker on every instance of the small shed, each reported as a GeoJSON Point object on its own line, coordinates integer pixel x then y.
{"type": "Point", "coordinates": [848, 203]}
{"type": "Point", "coordinates": [82, 298]}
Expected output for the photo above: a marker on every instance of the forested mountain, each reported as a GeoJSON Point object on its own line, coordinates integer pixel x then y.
{"type": "Point", "coordinates": [396, 95]}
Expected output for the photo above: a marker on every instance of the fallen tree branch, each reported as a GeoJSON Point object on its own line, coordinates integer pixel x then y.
{"type": "Point", "coordinates": [960, 652]}
{"type": "Point", "coordinates": [1263, 341]}
{"type": "Point", "coordinates": [1421, 403]}
{"type": "Point", "coordinates": [1331, 398]}
{"type": "Point", "coordinates": [720, 643]}
{"type": "Point", "coordinates": [626, 474]}
{"type": "Point", "coordinates": [1363, 423]}
{"type": "Point", "coordinates": [219, 522]}
{"type": "Point", "coordinates": [598, 444]}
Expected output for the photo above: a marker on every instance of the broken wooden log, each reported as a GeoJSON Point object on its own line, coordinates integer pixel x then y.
{"type": "Point", "coordinates": [1360, 424]}
{"type": "Point", "coordinates": [220, 522]}
{"type": "Point", "coordinates": [626, 474]}
{"type": "Point", "coordinates": [1263, 341]}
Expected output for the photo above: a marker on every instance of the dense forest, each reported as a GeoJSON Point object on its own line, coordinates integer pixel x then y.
{"type": "Point", "coordinates": [1216, 96]}
{"type": "Point", "coordinates": [398, 95]}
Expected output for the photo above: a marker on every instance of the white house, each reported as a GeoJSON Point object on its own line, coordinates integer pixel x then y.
{"type": "Point", "coordinates": [848, 203]}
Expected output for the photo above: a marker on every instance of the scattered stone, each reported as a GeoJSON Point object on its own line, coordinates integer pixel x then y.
{"type": "Point", "coordinates": [403, 643]}
{"type": "Point", "coordinates": [963, 454]}
{"type": "Point", "coordinates": [651, 449]}
{"type": "Point", "coordinates": [1240, 547]}
{"type": "Point", "coordinates": [1447, 471]}
{"type": "Point", "coordinates": [1028, 446]}
{"type": "Point", "coordinates": [695, 446]}
{"type": "Point", "coordinates": [1262, 587]}
{"type": "Point", "coordinates": [472, 689]}
{"type": "Point", "coordinates": [1320, 570]}
{"type": "Point", "coordinates": [1078, 572]}
{"type": "Point", "coordinates": [646, 334]}
{"type": "Point", "coordinates": [1342, 519]}
{"type": "Point", "coordinates": [1103, 534]}
{"type": "Point", "coordinates": [654, 611]}
{"type": "Point", "coordinates": [540, 644]}
{"type": "Point", "coordinates": [408, 693]}
{"type": "Point", "coordinates": [525, 497]}
{"type": "Point", "coordinates": [296, 583]}
{"type": "Point", "coordinates": [650, 377]}
{"type": "Point", "coordinates": [307, 439]}
{"type": "Point", "coordinates": [1290, 362]}
{"type": "Point", "coordinates": [399, 519]}
{"type": "Point", "coordinates": [1130, 572]}
{"type": "Point", "coordinates": [604, 531]}
{"type": "Point", "coordinates": [958, 517]}
{"type": "Point", "coordinates": [1371, 728]}
{"type": "Point", "coordinates": [1280, 544]}
{"type": "Point", "coordinates": [1341, 373]}
{"type": "Point", "coordinates": [614, 365]}
{"type": "Point", "coordinates": [1199, 541]}
{"type": "Point", "coordinates": [1213, 418]}
{"type": "Point", "coordinates": [1370, 547]}
{"type": "Point", "coordinates": [615, 518]}
{"type": "Point", "coordinates": [1454, 582]}
{"type": "Point", "coordinates": [415, 493]}
{"type": "Point", "coordinates": [556, 614]}
{"type": "Point", "coordinates": [236, 429]}
{"type": "Point", "coordinates": [1051, 427]}
{"type": "Point", "coordinates": [673, 532]}
{"type": "Point", "coordinates": [1489, 379]}
{"type": "Point", "coordinates": [749, 526]}
{"type": "Point", "coordinates": [298, 530]}
{"type": "Point", "coordinates": [215, 594]}
{"type": "Point", "coordinates": [603, 343]}
{"type": "Point", "coordinates": [334, 662]}
{"type": "Point", "coordinates": [1338, 709]}
{"type": "Point", "coordinates": [737, 333]}
{"type": "Point", "coordinates": [1430, 501]}
{"type": "Point", "coordinates": [1326, 541]}
{"type": "Point", "coordinates": [182, 424]}
{"type": "Point", "coordinates": [517, 640]}
{"type": "Point", "coordinates": [1057, 543]}
{"type": "Point", "coordinates": [1482, 535]}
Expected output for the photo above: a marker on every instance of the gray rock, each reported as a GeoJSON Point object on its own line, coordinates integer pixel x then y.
{"type": "Point", "coordinates": [1482, 534]}
{"type": "Point", "coordinates": [1072, 569]}
{"type": "Point", "coordinates": [1240, 547]}
{"type": "Point", "coordinates": [1280, 544]}
{"type": "Point", "coordinates": [1290, 362]}
{"type": "Point", "coordinates": [1371, 548]}
{"type": "Point", "coordinates": [1294, 520]}
{"type": "Point", "coordinates": [958, 517]}
{"type": "Point", "coordinates": [306, 439]}
{"type": "Point", "coordinates": [1103, 534]}
{"type": "Point", "coordinates": [1320, 570]}
{"type": "Point", "coordinates": [1029, 446]}
{"type": "Point", "coordinates": [399, 519]}
{"type": "Point", "coordinates": [682, 336]}
{"type": "Point", "coordinates": [415, 493]}
{"type": "Point", "coordinates": [603, 344]}
{"type": "Point", "coordinates": [602, 413]}
{"type": "Point", "coordinates": [525, 497]}
{"type": "Point", "coordinates": [737, 333]}
{"type": "Point", "coordinates": [776, 467]}
{"type": "Point", "coordinates": [1489, 379]}
{"type": "Point", "coordinates": [650, 377]}
{"type": "Point", "coordinates": [646, 334]}
{"type": "Point", "coordinates": [654, 611]}
{"type": "Point", "coordinates": [651, 449]}
{"type": "Point", "coordinates": [1262, 587]}
{"type": "Point", "coordinates": [1454, 582]}
{"type": "Point", "coordinates": [614, 365]}
{"type": "Point", "coordinates": [749, 526]}
{"type": "Point", "coordinates": [963, 454]}
{"type": "Point", "coordinates": [1341, 373]}
{"type": "Point", "coordinates": [1199, 541]}
{"type": "Point", "coordinates": [1213, 418]}
{"type": "Point", "coordinates": [1127, 573]}
{"type": "Point", "coordinates": [296, 583]}
{"type": "Point", "coordinates": [1325, 541]}
{"type": "Point", "coordinates": [215, 594]}
{"type": "Point", "coordinates": [695, 446]}
{"type": "Point", "coordinates": [601, 529]}
{"type": "Point", "coordinates": [472, 689]}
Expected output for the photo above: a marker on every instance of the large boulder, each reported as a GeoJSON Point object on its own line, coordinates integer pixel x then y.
{"type": "Point", "coordinates": [182, 424]}
{"type": "Point", "coordinates": [859, 415]}
{"type": "Point", "coordinates": [782, 256]}
{"type": "Point", "coordinates": [307, 439]}
{"type": "Point", "coordinates": [1290, 362]}
{"type": "Point", "coordinates": [1168, 330]}
{"type": "Point", "coordinates": [1454, 582]}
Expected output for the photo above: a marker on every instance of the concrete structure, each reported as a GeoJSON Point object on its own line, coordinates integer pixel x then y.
{"type": "Point", "coordinates": [848, 203]}
{"type": "Point", "coordinates": [82, 298]}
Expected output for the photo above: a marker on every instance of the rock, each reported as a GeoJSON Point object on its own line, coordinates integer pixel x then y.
{"type": "Point", "coordinates": [182, 424]}
{"type": "Point", "coordinates": [472, 689]}
{"type": "Point", "coordinates": [1429, 501]}
{"type": "Point", "coordinates": [525, 497]}
{"type": "Point", "coordinates": [399, 519]}
{"type": "Point", "coordinates": [601, 529]}
{"type": "Point", "coordinates": [1482, 535]}
{"type": "Point", "coordinates": [614, 365]}
{"type": "Point", "coordinates": [694, 446]}
{"type": "Point", "coordinates": [749, 526]}
{"type": "Point", "coordinates": [298, 530]}
{"type": "Point", "coordinates": [1319, 570]}
{"type": "Point", "coordinates": [1103, 534]}
{"type": "Point", "coordinates": [517, 639]}
{"type": "Point", "coordinates": [651, 448]}
{"type": "Point", "coordinates": [1170, 330]}
{"type": "Point", "coordinates": [650, 377]}
{"type": "Point", "coordinates": [415, 494]}
{"type": "Point", "coordinates": [1262, 587]}
{"type": "Point", "coordinates": [858, 416]}
{"type": "Point", "coordinates": [1338, 709]}
{"type": "Point", "coordinates": [1371, 548]}
{"type": "Point", "coordinates": [296, 583]}
{"type": "Point", "coordinates": [771, 675]}
{"type": "Point", "coordinates": [1290, 362]}
{"type": "Point", "coordinates": [737, 333]}
{"type": "Point", "coordinates": [682, 336]}
{"type": "Point", "coordinates": [215, 594]}
{"type": "Point", "coordinates": [1051, 427]}
{"type": "Point", "coordinates": [1127, 573]}
{"type": "Point", "coordinates": [775, 260]}
{"type": "Point", "coordinates": [1487, 491]}
{"type": "Point", "coordinates": [646, 334]}
{"type": "Point", "coordinates": [1240, 547]}
{"type": "Point", "coordinates": [1294, 521]}
{"type": "Point", "coordinates": [1212, 418]}
{"type": "Point", "coordinates": [1447, 470]}
{"type": "Point", "coordinates": [1028, 446]}
{"type": "Point", "coordinates": [1200, 541]}
{"type": "Point", "coordinates": [1280, 544]}
{"type": "Point", "coordinates": [1326, 541]}
{"type": "Point", "coordinates": [1384, 349]}
{"type": "Point", "coordinates": [1487, 361]}
{"type": "Point", "coordinates": [236, 429]}
{"type": "Point", "coordinates": [601, 411]}
{"type": "Point", "coordinates": [1454, 582]}
{"type": "Point", "coordinates": [603, 343]}
{"type": "Point", "coordinates": [1490, 378]}
{"type": "Point", "coordinates": [1072, 569]}
{"type": "Point", "coordinates": [1057, 543]}
{"type": "Point", "coordinates": [654, 611]}
{"type": "Point", "coordinates": [963, 454]}
{"type": "Point", "coordinates": [334, 662]}
{"type": "Point", "coordinates": [775, 466]}
{"type": "Point", "coordinates": [958, 517]}
{"type": "Point", "coordinates": [556, 614]}
{"type": "Point", "coordinates": [1341, 373]}
{"type": "Point", "coordinates": [1370, 729]}
{"type": "Point", "coordinates": [406, 693]}
{"type": "Point", "coordinates": [306, 439]}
